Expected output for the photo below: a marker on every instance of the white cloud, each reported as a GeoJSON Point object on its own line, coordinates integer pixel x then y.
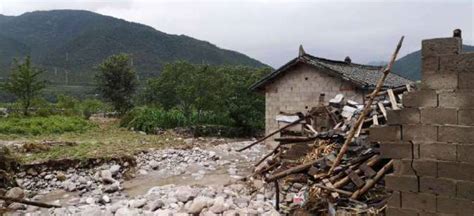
{"type": "Point", "coordinates": [271, 30]}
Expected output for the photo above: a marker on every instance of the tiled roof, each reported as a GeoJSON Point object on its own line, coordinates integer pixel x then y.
{"type": "Point", "coordinates": [364, 76]}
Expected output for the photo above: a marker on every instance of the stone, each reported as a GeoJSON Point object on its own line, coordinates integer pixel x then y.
{"type": "Point", "coordinates": [17, 206]}
{"type": "Point", "coordinates": [105, 199]}
{"type": "Point", "coordinates": [198, 205]}
{"type": "Point", "coordinates": [60, 176]}
{"type": "Point", "coordinates": [90, 200]}
{"type": "Point", "coordinates": [137, 203]}
{"type": "Point", "coordinates": [124, 211]}
{"type": "Point", "coordinates": [154, 164]}
{"type": "Point", "coordinates": [114, 169]}
{"type": "Point", "coordinates": [154, 205]}
{"type": "Point", "coordinates": [219, 205]}
{"type": "Point", "coordinates": [184, 193]}
{"type": "Point", "coordinates": [92, 211]}
{"type": "Point", "coordinates": [15, 192]}
{"type": "Point", "coordinates": [31, 172]}
{"type": "Point", "coordinates": [111, 188]}
{"type": "Point", "coordinates": [106, 177]}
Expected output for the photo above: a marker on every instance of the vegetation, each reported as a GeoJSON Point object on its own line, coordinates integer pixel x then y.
{"type": "Point", "coordinates": [68, 43]}
{"type": "Point", "coordinates": [24, 83]}
{"type": "Point", "coordinates": [43, 125]}
{"type": "Point", "coordinates": [189, 95]}
{"type": "Point", "coordinates": [116, 81]}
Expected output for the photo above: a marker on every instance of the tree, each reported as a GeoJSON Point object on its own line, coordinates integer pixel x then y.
{"type": "Point", "coordinates": [117, 82]}
{"type": "Point", "coordinates": [24, 83]}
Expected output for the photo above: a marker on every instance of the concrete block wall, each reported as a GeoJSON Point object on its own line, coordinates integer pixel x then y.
{"type": "Point", "coordinates": [298, 90]}
{"type": "Point", "coordinates": [432, 138]}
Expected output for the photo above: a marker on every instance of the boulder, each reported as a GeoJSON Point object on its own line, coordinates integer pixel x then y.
{"type": "Point", "coordinates": [124, 211]}
{"type": "Point", "coordinates": [114, 169]}
{"type": "Point", "coordinates": [219, 205]}
{"type": "Point", "coordinates": [154, 205]}
{"type": "Point", "coordinates": [137, 203]}
{"type": "Point", "coordinates": [111, 188]}
{"type": "Point", "coordinates": [199, 204]}
{"type": "Point", "coordinates": [15, 192]}
{"type": "Point", "coordinates": [106, 177]}
{"type": "Point", "coordinates": [184, 193]}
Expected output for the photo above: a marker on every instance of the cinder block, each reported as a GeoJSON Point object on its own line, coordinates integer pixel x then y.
{"type": "Point", "coordinates": [438, 186]}
{"type": "Point", "coordinates": [466, 80]}
{"type": "Point", "coordinates": [466, 116]}
{"type": "Point", "coordinates": [429, 64]}
{"type": "Point", "coordinates": [391, 211]}
{"type": "Point", "coordinates": [415, 167]}
{"type": "Point", "coordinates": [419, 201]}
{"type": "Point", "coordinates": [439, 81]}
{"type": "Point", "coordinates": [418, 132]}
{"type": "Point", "coordinates": [384, 133]}
{"type": "Point", "coordinates": [465, 153]}
{"type": "Point", "coordinates": [461, 134]}
{"type": "Point", "coordinates": [395, 200]}
{"type": "Point", "coordinates": [398, 150]}
{"type": "Point", "coordinates": [465, 190]}
{"type": "Point", "coordinates": [459, 99]}
{"type": "Point", "coordinates": [438, 115]}
{"type": "Point", "coordinates": [455, 206]}
{"type": "Point", "coordinates": [462, 63]}
{"type": "Point", "coordinates": [422, 98]}
{"type": "Point", "coordinates": [438, 151]}
{"type": "Point", "coordinates": [403, 116]}
{"type": "Point", "coordinates": [456, 170]}
{"type": "Point", "coordinates": [440, 46]}
{"type": "Point", "coordinates": [401, 183]}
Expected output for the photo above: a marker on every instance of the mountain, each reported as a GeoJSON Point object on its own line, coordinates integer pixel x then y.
{"type": "Point", "coordinates": [409, 66]}
{"type": "Point", "coordinates": [70, 43]}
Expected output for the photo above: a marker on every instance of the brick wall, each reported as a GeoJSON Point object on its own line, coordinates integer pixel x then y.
{"type": "Point", "coordinates": [298, 90]}
{"type": "Point", "coordinates": [432, 139]}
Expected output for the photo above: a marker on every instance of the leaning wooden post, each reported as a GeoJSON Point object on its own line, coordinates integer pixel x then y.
{"type": "Point", "coordinates": [277, 196]}
{"type": "Point", "coordinates": [366, 109]}
{"type": "Point", "coordinates": [371, 182]}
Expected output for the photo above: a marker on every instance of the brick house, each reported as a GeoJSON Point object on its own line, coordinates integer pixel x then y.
{"type": "Point", "coordinates": [298, 85]}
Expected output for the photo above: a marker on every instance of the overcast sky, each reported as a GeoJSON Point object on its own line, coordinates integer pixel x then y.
{"type": "Point", "coordinates": [272, 30]}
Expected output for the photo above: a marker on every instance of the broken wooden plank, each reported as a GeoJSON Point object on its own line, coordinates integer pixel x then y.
{"type": "Point", "coordinates": [333, 189]}
{"type": "Point", "coordinates": [393, 100]}
{"type": "Point", "coordinates": [408, 87]}
{"type": "Point", "coordinates": [368, 171]}
{"type": "Point", "coordinates": [375, 119]}
{"type": "Point", "coordinates": [355, 178]}
{"type": "Point", "coordinates": [371, 162]}
{"type": "Point", "coordinates": [293, 170]}
{"type": "Point", "coordinates": [382, 109]}
{"type": "Point", "coordinates": [328, 184]}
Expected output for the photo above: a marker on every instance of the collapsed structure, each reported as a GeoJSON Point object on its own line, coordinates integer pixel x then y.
{"type": "Point", "coordinates": [331, 164]}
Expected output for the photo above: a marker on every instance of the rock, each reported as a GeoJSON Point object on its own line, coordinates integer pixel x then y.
{"type": "Point", "coordinates": [17, 206]}
{"type": "Point", "coordinates": [154, 205]}
{"type": "Point", "coordinates": [142, 172]}
{"type": "Point", "coordinates": [15, 192]}
{"type": "Point", "coordinates": [60, 176]}
{"type": "Point", "coordinates": [260, 197]}
{"type": "Point", "coordinates": [184, 193]}
{"type": "Point", "coordinates": [106, 177]}
{"type": "Point", "coordinates": [49, 177]}
{"type": "Point", "coordinates": [31, 172]}
{"type": "Point", "coordinates": [111, 188]}
{"type": "Point", "coordinates": [154, 164]}
{"type": "Point", "coordinates": [124, 211]}
{"type": "Point", "coordinates": [90, 200]}
{"type": "Point", "coordinates": [198, 204]}
{"type": "Point", "coordinates": [137, 203]}
{"type": "Point", "coordinates": [219, 205]}
{"type": "Point", "coordinates": [92, 211]}
{"type": "Point", "coordinates": [105, 199]}
{"type": "Point", "coordinates": [115, 169]}
{"type": "Point", "coordinates": [82, 180]}
{"type": "Point", "coordinates": [114, 207]}
{"type": "Point", "coordinates": [69, 185]}
{"type": "Point", "coordinates": [242, 202]}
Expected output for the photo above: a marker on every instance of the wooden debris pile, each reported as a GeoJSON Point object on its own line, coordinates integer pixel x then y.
{"type": "Point", "coordinates": [327, 166]}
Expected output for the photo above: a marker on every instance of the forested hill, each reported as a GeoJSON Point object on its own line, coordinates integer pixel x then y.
{"type": "Point", "coordinates": [69, 43]}
{"type": "Point", "coordinates": [409, 66]}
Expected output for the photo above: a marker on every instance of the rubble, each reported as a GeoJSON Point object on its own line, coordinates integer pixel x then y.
{"type": "Point", "coordinates": [326, 164]}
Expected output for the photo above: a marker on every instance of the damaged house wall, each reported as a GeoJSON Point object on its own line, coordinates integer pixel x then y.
{"type": "Point", "coordinates": [432, 137]}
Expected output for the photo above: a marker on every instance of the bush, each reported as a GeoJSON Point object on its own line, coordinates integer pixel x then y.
{"type": "Point", "coordinates": [43, 125]}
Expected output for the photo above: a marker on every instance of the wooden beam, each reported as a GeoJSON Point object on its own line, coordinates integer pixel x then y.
{"type": "Point", "coordinates": [382, 109]}
{"type": "Point", "coordinates": [371, 182]}
{"type": "Point", "coordinates": [393, 100]}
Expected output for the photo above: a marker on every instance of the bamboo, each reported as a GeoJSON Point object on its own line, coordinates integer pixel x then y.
{"type": "Point", "coordinates": [366, 109]}
{"type": "Point", "coordinates": [28, 202]}
{"type": "Point", "coordinates": [271, 134]}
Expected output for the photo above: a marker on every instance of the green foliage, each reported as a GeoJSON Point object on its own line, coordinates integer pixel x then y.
{"type": "Point", "coordinates": [24, 83]}
{"type": "Point", "coordinates": [68, 43]}
{"type": "Point", "coordinates": [91, 106]}
{"type": "Point", "coordinates": [43, 125]}
{"type": "Point", "coordinates": [220, 91]}
{"type": "Point", "coordinates": [116, 81]}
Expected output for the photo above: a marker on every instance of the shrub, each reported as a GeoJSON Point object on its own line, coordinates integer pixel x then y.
{"type": "Point", "coordinates": [43, 125]}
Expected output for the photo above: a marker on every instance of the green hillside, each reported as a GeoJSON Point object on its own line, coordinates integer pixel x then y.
{"type": "Point", "coordinates": [70, 43]}
{"type": "Point", "coordinates": [410, 65]}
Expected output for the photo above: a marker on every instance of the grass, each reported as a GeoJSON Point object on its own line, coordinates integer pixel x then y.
{"type": "Point", "coordinates": [43, 125]}
{"type": "Point", "coordinates": [107, 140]}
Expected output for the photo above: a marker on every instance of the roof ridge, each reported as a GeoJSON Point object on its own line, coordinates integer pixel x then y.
{"type": "Point", "coordinates": [343, 62]}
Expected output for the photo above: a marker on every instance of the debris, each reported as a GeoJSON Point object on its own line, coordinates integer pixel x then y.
{"type": "Point", "coordinates": [331, 167]}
